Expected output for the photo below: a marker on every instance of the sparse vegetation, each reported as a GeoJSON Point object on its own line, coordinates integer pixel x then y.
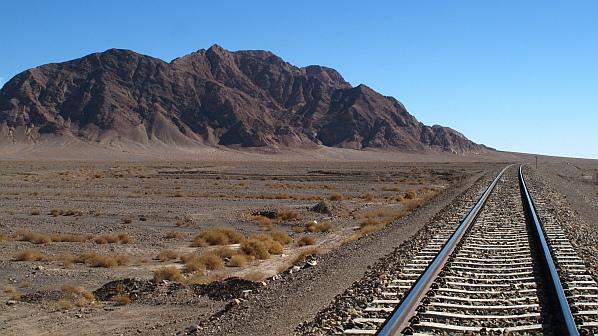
{"type": "Point", "coordinates": [319, 227]}
{"type": "Point", "coordinates": [12, 292]}
{"type": "Point", "coordinates": [35, 212]}
{"type": "Point", "coordinates": [65, 304]}
{"type": "Point", "coordinates": [301, 257]}
{"type": "Point", "coordinates": [285, 215]}
{"type": "Point", "coordinates": [410, 194]}
{"type": "Point", "coordinates": [255, 276]}
{"type": "Point", "coordinates": [238, 260]}
{"type": "Point", "coordinates": [281, 237]}
{"type": "Point", "coordinates": [263, 221]}
{"type": "Point", "coordinates": [29, 255]}
{"type": "Point", "coordinates": [368, 196]}
{"type": "Point", "coordinates": [121, 299]}
{"type": "Point", "coordinates": [218, 237]}
{"type": "Point", "coordinates": [173, 235]}
{"type": "Point", "coordinates": [211, 261]}
{"type": "Point", "coordinates": [306, 240]}
{"type": "Point", "coordinates": [336, 196]}
{"type": "Point", "coordinates": [166, 255]}
{"type": "Point", "coordinates": [171, 273]}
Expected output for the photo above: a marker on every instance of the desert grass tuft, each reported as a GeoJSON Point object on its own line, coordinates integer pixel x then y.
{"type": "Point", "coordinates": [171, 273]}
{"type": "Point", "coordinates": [166, 255]}
{"type": "Point", "coordinates": [121, 299]}
{"type": "Point", "coordinates": [218, 237]}
{"type": "Point", "coordinates": [319, 227]}
{"type": "Point", "coordinates": [33, 237]}
{"type": "Point", "coordinates": [29, 255]}
{"type": "Point", "coordinates": [211, 260]}
{"type": "Point", "coordinates": [238, 260]}
{"type": "Point", "coordinates": [281, 237]}
{"type": "Point", "coordinates": [301, 257]}
{"type": "Point", "coordinates": [306, 240]}
{"type": "Point", "coordinates": [287, 215]}
{"type": "Point", "coordinates": [336, 196]}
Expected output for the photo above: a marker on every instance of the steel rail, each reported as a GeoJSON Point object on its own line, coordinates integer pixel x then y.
{"type": "Point", "coordinates": [567, 321]}
{"type": "Point", "coordinates": [407, 307]}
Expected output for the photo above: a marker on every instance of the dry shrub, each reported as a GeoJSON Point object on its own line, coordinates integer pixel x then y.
{"type": "Point", "coordinates": [72, 289]}
{"type": "Point", "coordinates": [65, 304]}
{"type": "Point", "coordinates": [69, 238]}
{"type": "Point", "coordinates": [127, 220]}
{"type": "Point", "coordinates": [165, 255]}
{"type": "Point", "coordinates": [121, 299]}
{"type": "Point", "coordinates": [196, 278]}
{"type": "Point", "coordinates": [86, 257]}
{"type": "Point", "coordinates": [171, 273]}
{"type": "Point", "coordinates": [13, 292]}
{"type": "Point", "coordinates": [307, 240]}
{"type": "Point", "coordinates": [238, 260]}
{"type": "Point", "coordinates": [173, 235]}
{"type": "Point", "coordinates": [55, 212]}
{"type": "Point", "coordinates": [124, 238]}
{"type": "Point", "coordinates": [319, 227]}
{"type": "Point", "coordinates": [82, 296]}
{"type": "Point", "coordinates": [370, 228]}
{"type": "Point", "coordinates": [336, 197]}
{"type": "Point", "coordinates": [281, 237]}
{"type": "Point", "coordinates": [178, 194]}
{"type": "Point", "coordinates": [287, 215]}
{"type": "Point", "coordinates": [218, 237]}
{"type": "Point", "coordinates": [192, 263]}
{"type": "Point", "coordinates": [33, 237]}
{"type": "Point", "coordinates": [109, 260]}
{"type": "Point", "coordinates": [29, 255]}
{"type": "Point", "coordinates": [264, 222]}
{"type": "Point", "coordinates": [298, 229]}
{"type": "Point", "coordinates": [368, 196]}
{"type": "Point", "coordinates": [72, 212]}
{"type": "Point", "coordinates": [225, 252]}
{"type": "Point", "coordinates": [301, 257]}
{"type": "Point", "coordinates": [67, 260]}
{"type": "Point", "coordinates": [211, 260]}
{"type": "Point", "coordinates": [104, 261]}
{"type": "Point", "coordinates": [256, 248]}
{"type": "Point", "coordinates": [101, 240]}
{"type": "Point", "coordinates": [410, 194]}
{"type": "Point", "coordinates": [35, 212]}
{"type": "Point", "coordinates": [255, 276]}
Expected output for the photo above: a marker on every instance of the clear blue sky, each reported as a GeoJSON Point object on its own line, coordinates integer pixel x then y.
{"type": "Point", "coordinates": [516, 75]}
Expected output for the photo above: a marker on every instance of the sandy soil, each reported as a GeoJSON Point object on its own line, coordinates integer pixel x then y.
{"type": "Point", "coordinates": [161, 205]}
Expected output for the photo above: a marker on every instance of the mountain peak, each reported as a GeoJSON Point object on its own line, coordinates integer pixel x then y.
{"type": "Point", "coordinates": [213, 97]}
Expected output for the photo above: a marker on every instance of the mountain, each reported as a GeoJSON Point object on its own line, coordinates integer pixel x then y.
{"type": "Point", "coordinates": [211, 97]}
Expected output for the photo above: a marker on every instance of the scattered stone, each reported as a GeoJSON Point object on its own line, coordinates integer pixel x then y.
{"type": "Point", "coordinates": [322, 208]}
{"type": "Point", "coordinates": [266, 213]}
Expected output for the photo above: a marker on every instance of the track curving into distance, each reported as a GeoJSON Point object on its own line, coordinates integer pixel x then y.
{"type": "Point", "coordinates": [500, 272]}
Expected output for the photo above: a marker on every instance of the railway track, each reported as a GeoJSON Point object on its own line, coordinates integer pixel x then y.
{"type": "Point", "coordinates": [498, 271]}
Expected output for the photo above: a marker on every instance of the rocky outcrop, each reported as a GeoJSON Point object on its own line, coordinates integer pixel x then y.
{"type": "Point", "coordinates": [212, 97]}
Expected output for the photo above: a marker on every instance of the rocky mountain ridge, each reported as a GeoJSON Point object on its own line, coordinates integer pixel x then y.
{"type": "Point", "coordinates": [211, 97]}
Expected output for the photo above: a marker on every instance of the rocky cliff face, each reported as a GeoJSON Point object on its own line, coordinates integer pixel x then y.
{"type": "Point", "coordinates": [212, 97]}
